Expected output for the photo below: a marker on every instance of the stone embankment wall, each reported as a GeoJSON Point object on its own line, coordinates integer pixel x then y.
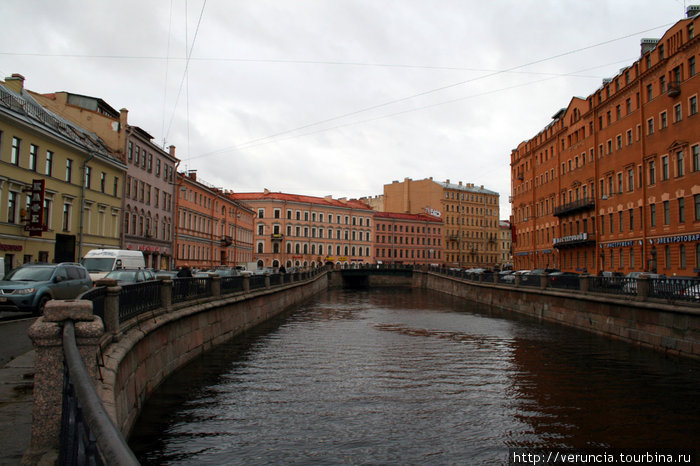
{"type": "Point", "coordinates": [671, 328]}
{"type": "Point", "coordinates": [156, 345]}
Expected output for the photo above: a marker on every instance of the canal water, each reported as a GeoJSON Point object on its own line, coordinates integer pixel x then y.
{"type": "Point", "coordinates": [402, 376]}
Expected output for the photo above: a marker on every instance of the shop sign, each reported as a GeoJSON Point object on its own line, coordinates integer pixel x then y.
{"type": "Point", "coordinates": [571, 238]}
{"type": "Point", "coordinates": [433, 212]}
{"type": "Point", "coordinates": [619, 244]}
{"type": "Point", "coordinates": [36, 209]}
{"type": "Point", "coordinates": [675, 239]}
{"type": "Point", "coordinates": [10, 247]}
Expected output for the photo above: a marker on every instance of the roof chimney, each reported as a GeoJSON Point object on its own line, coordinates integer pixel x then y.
{"type": "Point", "coordinates": [123, 118]}
{"type": "Point", "coordinates": [171, 150]}
{"type": "Point", "coordinates": [15, 82]}
{"type": "Point", "coordinates": [692, 10]}
{"type": "Point", "coordinates": [648, 45]}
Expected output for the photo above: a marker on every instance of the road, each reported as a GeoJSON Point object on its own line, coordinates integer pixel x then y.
{"type": "Point", "coordinates": [13, 335]}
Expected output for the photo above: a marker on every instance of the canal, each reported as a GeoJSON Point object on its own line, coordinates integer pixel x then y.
{"type": "Point", "coordinates": [406, 376]}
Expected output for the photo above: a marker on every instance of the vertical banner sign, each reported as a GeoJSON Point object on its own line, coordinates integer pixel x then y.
{"type": "Point", "coordinates": [36, 209]}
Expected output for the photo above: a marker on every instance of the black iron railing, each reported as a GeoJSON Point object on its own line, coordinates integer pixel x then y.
{"type": "Point", "coordinates": [88, 435]}
{"type": "Point", "coordinates": [231, 284]}
{"type": "Point", "coordinates": [97, 296]}
{"type": "Point", "coordinates": [137, 298]}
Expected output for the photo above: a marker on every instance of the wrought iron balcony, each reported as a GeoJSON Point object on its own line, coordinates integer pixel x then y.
{"type": "Point", "coordinates": [674, 89]}
{"type": "Point", "coordinates": [226, 241]}
{"type": "Point", "coordinates": [277, 237]}
{"type": "Point", "coordinates": [573, 207]}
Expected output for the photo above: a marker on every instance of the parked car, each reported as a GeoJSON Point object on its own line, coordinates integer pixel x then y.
{"type": "Point", "coordinates": [506, 276]}
{"type": "Point", "coordinates": [561, 279]}
{"type": "Point", "coordinates": [28, 288]}
{"type": "Point", "coordinates": [629, 285]}
{"type": "Point", "coordinates": [692, 293]}
{"type": "Point", "coordinates": [224, 272]}
{"type": "Point", "coordinates": [127, 276]}
{"type": "Point", "coordinates": [101, 261]}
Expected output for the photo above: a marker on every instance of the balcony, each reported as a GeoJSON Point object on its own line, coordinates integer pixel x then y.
{"type": "Point", "coordinates": [580, 239]}
{"type": "Point", "coordinates": [573, 207]}
{"type": "Point", "coordinates": [277, 237]}
{"type": "Point", "coordinates": [674, 89]}
{"type": "Point", "coordinates": [226, 241]}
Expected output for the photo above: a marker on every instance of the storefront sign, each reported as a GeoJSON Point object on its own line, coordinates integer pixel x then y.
{"type": "Point", "coordinates": [10, 247]}
{"type": "Point", "coordinates": [675, 239]}
{"type": "Point", "coordinates": [433, 212]}
{"type": "Point", "coordinates": [36, 209]}
{"type": "Point", "coordinates": [571, 238]}
{"type": "Point", "coordinates": [618, 244]}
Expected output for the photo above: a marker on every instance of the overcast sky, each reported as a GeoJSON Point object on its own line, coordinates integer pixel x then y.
{"type": "Point", "coordinates": [334, 97]}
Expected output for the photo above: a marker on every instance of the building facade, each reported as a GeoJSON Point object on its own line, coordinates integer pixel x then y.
{"type": "Point", "coordinates": [470, 216]}
{"type": "Point", "coordinates": [294, 230]}
{"type": "Point", "coordinates": [613, 183]}
{"type": "Point", "coordinates": [407, 239]}
{"type": "Point", "coordinates": [213, 228]}
{"type": "Point", "coordinates": [78, 207]}
{"type": "Point", "coordinates": [148, 205]}
{"type": "Point", "coordinates": [505, 245]}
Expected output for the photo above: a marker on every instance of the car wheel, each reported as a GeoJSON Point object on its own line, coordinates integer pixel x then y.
{"type": "Point", "coordinates": [42, 304]}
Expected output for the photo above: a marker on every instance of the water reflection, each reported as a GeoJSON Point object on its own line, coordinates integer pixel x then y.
{"type": "Point", "coordinates": [406, 376]}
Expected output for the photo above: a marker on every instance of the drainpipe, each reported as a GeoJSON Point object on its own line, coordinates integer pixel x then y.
{"type": "Point", "coordinates": [82, 207]}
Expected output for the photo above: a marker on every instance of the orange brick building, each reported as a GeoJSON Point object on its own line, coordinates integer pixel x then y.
{"type": "Point", "coordinates": [408, 238]}
{"type": "Point", "coordinates": [470, 216]}
{"type": "Point", "coordinates": [613, 182]}
{"type": "Point", "coordinates": [294, 230]}
{"type": "Point", "coordinates": [212, 228]}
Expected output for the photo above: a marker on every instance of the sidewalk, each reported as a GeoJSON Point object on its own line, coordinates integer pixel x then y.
{"type": "Point", "coordinates": [16, 381]}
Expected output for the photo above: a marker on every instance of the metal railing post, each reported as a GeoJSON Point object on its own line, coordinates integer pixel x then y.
{"type": "Point", "coordinates": [246, 283]}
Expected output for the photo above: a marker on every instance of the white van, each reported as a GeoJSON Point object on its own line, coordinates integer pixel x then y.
{"type": "Point", "coordinates": [99, 262]}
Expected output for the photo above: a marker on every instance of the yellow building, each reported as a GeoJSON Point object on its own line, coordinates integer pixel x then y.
{"type": "Point", "coordinates": [469, 214]}
{"type": "Point", "coordinates": [82, 184]}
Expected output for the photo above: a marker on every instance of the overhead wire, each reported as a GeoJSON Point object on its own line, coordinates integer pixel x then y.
{"type": "Point", "coordinates": [187, 64]}
{"type": "Point", "coordinates": [430, 91]}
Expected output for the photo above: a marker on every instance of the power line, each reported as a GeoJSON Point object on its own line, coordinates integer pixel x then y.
{"type": "Point", "coordinates": [268, 140]}
{"type": "Point", "coordinates": [187, 64]}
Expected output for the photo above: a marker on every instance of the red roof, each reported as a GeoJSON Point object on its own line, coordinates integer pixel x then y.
{"type": "Point", "coordinates": [300, 198]}
{"type": "Point", "coordinates": [413, 217]}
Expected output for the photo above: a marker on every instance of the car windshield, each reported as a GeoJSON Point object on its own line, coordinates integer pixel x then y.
{"type": "Point", "coordinates": [123, 275]}
{"type": "Point", "coordinates": [98, 264]}
{"type": "Point", "coordinates": [30, 274]}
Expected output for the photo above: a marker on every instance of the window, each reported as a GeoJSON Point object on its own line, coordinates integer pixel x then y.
{"type": "Point", "coordinates": [33, 155]}
{"type": "Point", "coordinates": [16, 146]}
{"type": "Point", "coordinates": [681, 210]}
{"type": "Point", "coordinates": [116, 186]}
{"type": "Point", "coordinates": [650, 126]}
{"type": "Point", "coordinates": [261, 213]}
{"type": "Point", "coordinates": [49, 163]}
{"type": "Point", "coordinates": [103, 178]}
{"type": "Point", "coordinates": [683, 263]}
{"type": "Point", "coordinates": [130, 151]}
{"type": "Point", "coordinates": [693, 105]}
{"type": "Point", "coordinates": [677, 113]}
{"type": "Point", "coordinates": [12, 207]}
{"type": "Point", "coordinates": [664, 120]}
{"type": "Point", "coordinates": [650, 92]}
{"type": "Point", "coordinates": [88, 176]}
{"type": "Point", "coordinates": [69, 170]}
{"type": "Point", "coordinates": [631, 212]}
{"type": "Point", "coordinates": [667, 212]}
{"type": "Point", "coordinates": [691, 66]}
{"type": "Point", "coordinates": [652, 172]}
{"type": "Point", "coordinates": [652, 214]}
{"type": "Point", "coordinates": [664, 167]}
{"type": "Point", "coordinates": [630, 179]}
{"type": "Point", "coordinates": [66, 216]}
{"type": "Point", "coordinates": [679, 163]}
{"type": "Point", "coordinates": [150, 161]}
{"type": "Point", "coordinates": [696, 159]}
{"type": "Point", "coordinates": [696, 198]}
{"type": "Point", "coordinates": [137, 155]}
